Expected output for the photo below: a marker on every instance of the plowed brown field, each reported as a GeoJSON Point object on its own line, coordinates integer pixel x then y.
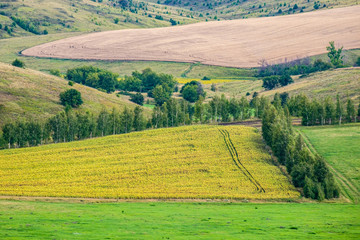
{"type": "Point", "coordinates": [235, 43]}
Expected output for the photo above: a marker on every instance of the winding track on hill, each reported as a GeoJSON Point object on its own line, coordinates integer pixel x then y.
{"type": "Point", "coordinates": [234, 43]}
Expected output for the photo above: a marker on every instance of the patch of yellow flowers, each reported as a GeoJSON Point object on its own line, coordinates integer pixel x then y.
{"type": "Point", "coordinates": [186, 80]}
{"type": "Point", "coordinates": [184, 162]}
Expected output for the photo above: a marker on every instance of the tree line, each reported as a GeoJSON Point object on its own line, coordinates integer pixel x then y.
{"type": "Point", "coordinates": [308, 171]}
{"type": "Point", "coordinates": [69, 126]}
{"type": "Point", "coordinates": [321, 112]}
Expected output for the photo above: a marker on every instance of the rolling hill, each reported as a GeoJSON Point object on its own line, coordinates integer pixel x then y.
{"type": "Point", "coordinates": [235, 43]}
{"type": "Point", "coordinates": [39, 17]}
{"type": "Point", "coordinates": [192, 162]}
{"type": "Point", "coordinates": [29, 94]}
{"type": "Point", "coordinates": [228, 9]}
{"type": "Point", "coordinates": [345, 82]}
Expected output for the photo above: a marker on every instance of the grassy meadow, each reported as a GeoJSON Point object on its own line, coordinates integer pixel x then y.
{"type": "Point", "coordinates": [29, 94]}
{"type": "Point", "coordinates": [345, 82]}
{"type": "Point", "coordinates": [171, 220]}
{"type": "Point", "coordinates": [339, 145]}
{"type": "Point", "coordinates": [191, 162]}
{"type": "Point", "coordinates": [87, 16]}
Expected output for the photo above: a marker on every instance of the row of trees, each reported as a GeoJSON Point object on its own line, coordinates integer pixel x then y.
{"type": "Point", "coordinates": [220, 109]}
{"type": "Point", "coordinates": [308, 171]}
{"type": "Point", "coordinates": [327, 111]}
{"type": "Point", "coordinates": [69, 126]}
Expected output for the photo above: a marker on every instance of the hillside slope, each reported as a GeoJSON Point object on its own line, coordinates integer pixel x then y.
{"type": "Point", "coordinates": [345, 82]}
{"type": "Point", "coordinates": [228, 9]}
{"type": "Point", "coordinates": [183, 162]}
{"type": "Point", "coordinates": [23, 18]}
{"type": "Point", "coordinates": [235, 43]}
{"type": "Point", "coordinates": [26, 93]}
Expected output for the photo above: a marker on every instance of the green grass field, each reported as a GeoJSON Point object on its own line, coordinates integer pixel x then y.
{"type": "Point", "coordinates": [339, 145]}
{"type": "Point", "coordinates": [170, 220]}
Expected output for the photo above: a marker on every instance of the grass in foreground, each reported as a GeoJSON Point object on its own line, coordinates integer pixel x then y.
{"type": "Point", "coordinates": [339, 145]}
{"type": "Point", "coordinates": [183, 162]}
{"type": "Point", "coordinates": [161, 220]}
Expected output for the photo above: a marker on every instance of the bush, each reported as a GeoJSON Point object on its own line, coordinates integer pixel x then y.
{"type": "Point", "coordinates": [271, 82]}
{"type": "Point", "coordinates": [71, 98]}
{"type": "Point", "coordinates": [18, 63]}
{"type": "Point", "coordinates": [55, 72]}
{"type": "Point", "coordinates": [137, 98]}
{"type": "Point", "coordinates": [205, 78]}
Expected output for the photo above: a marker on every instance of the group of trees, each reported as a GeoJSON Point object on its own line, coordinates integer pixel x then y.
{"type": "Point", "coordinates": [69, 126]}
{"type": "Point", "coordinates": [93, 77]}
{"type": "Point", "coordinates": [274, 81]}
{"type": "Point", "coordinates": [30, 26]}
{"type": "Point", "coordinates": [277, 75]}
{"type": "Point", "coordinates": [308, 171]}
{"type": "Point", "coordinates": [159, 86]}
{"type": "Point", "coordinates": [192, 91]}
{"type": "Point", "coordinates": [327, 111]}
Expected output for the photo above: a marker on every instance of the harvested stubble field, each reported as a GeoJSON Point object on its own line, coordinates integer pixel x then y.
{"type": "Point", "coordinates": [185, 162]}
{"type": "Point", "coordinates": [236, 43]}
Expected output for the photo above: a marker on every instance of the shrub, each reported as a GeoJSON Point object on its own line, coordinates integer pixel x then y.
{"type": "Point", "coordinates": [137, 98]}
{"type": "Point", "coordinates": [71, 98]}
{"type": "Point", "coordinates": [18, 63]}
{"type": "Point", "coordinates": [55, 72]}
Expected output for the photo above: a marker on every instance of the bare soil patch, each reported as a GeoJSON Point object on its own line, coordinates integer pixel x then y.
{"type": "Point", "coordinates": [235, 43]}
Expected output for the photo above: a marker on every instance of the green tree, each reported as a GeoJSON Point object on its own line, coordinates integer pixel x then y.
{"type": "Point", "coordinates": [335, 54]}
{"type": "Point", "coordinates": [350, 111]}
{"type": "Point", "coordinates": [18, 63]}
{"type": "Point", "coordinates": [329, 110]}
{"type": "Point", "coordinates": [160, 95]}
{"type": "Point", "coordinates": [71, 97]}
{"type": "Point", "coordinates": [9, 134]}
{"type": "Point", "coordinates": [137, 98]}
{"type": "Point", "coordinates": [139, 122]}
{"type": "Point", "coordinates": [127, 120]}
{"type": "Point", "coordinates": [339, 109]}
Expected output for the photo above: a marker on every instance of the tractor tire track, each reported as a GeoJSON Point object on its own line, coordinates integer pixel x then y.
{"type": "Point", "coordinates": [235, 157]}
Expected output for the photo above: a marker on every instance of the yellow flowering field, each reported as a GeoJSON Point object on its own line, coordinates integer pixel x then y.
{"type": "Point", "coordinates": [186, 80]}
{"type": "Point", "coordinates": [184, 162]}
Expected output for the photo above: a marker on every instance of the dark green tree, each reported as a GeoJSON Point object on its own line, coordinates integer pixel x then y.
{"type": "Point", "coordinates": [71, 98]}
{"type": "Point", "coordinates": [137, 98]}
{"type": "Point", "coordinates": [18, 63]}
